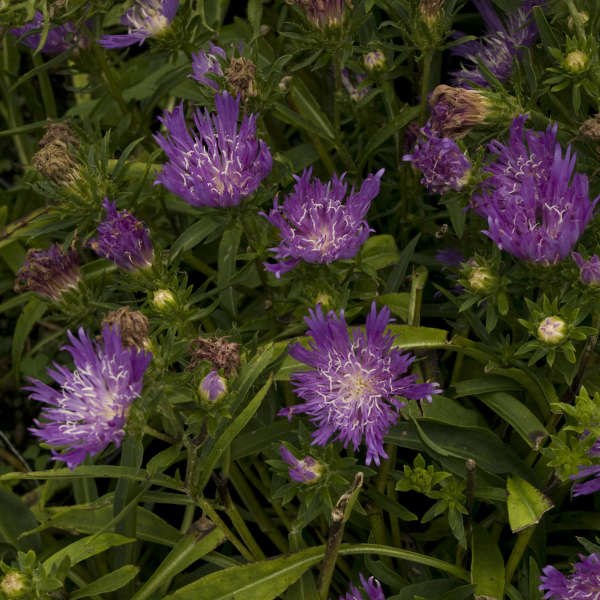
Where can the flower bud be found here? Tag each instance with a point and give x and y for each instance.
(583, 18)
(374, 61)
(284, 83)
(589, 270)
(482, 280)
(308, 470)
(163, 299)
(552, 330)
(212, 388)
(430, 11)
(132, 325)
(14, 585)
(576, 61)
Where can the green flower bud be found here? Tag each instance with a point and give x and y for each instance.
(374, 61)
(576, 61)
(14, 585)
(481, 279)
(163, 299)
(552, 330)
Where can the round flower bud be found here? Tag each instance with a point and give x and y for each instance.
(212, 388)
(163, 299)
(552, 330)
(14, 585)
(374, 60)
(583, 17)
(308, 470)
(284, 83)
(482, 280)
(576, 61)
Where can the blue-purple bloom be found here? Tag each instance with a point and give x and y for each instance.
(443, 164)
(59, 39)
(535, 205)
(49, 272)
(356, 91)
(582, 584)
(371, 586)
(314, 224)
(307, 470)
(588, 269)
(219, 165)
(146, 18)
(590, 486)
(208, 62)
(123, 239)
(352, 390)
(213, 387)
(500, 47)
(90, 409)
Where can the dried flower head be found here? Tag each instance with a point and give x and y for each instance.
(324, 13)
(49, 272)
(590, 128)
(218, 351)
(308, 470)
(219, 165)
(54, 159)
(241, 77)
(123, 239)
(133, 327)
(443, 164)
(535, 205)
(455, 111)
(582, 584)
(371, 586)
(352, 390)
(314, 224)
(90, 409)
(146, 18)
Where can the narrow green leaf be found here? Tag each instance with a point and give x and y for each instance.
(32, 313)
(15, 518)
(228, 249)
(398, 273)
(396, 302)
(108, 583)
(310, 109)
(487, 565)
(525, 503)
(192, 236)
(379, 251)
(417, 337)
(255, 9)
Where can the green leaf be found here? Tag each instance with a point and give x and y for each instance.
(263, 580)
(228, 249)
(255, 9)
(483, 385)
(308, 107)
(32, 313)
(487, 565)
(525, 504)
(86, 547)
(186, 552)
(16, 518)
(108, 583)
(396, 302)
(398, 273)
(379, 251)
(417, 337)
(524, 422)
(192, 236)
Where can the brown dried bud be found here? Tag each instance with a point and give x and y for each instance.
(241, 76)
(455, 111)
(218, 351)
(591, 128)
(430, 10)
(54, 159)
(132, 325)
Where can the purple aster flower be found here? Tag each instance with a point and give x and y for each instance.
(324, 13)
(147, 18)
(123, 239)
(582, 584)
(442, 162)
(49, 272)
(208, 62)
(59, 39)
(450, 257)
(90, 409)
(498, 49)
(355, 90)
(213, 387)
(589, 269)
(314, 224)
(352, 391)
(535, 206)
(592, 485)
(218, 166)
(307, 470)
(371, 586)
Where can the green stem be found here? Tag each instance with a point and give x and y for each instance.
(112, 83)
(45, 88)
(416, 295)
(517, 552)
(425, 77)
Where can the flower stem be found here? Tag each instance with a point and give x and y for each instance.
(517, 552)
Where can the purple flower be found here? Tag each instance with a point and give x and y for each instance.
(535, 206)
(371, 586)
(353, 388)
(450, 257)
(59, 39)
(582, 584)
(220, 165)
(592, 485)
(498, 49)
(213, 387)
(147, 18)
(355, 90)
(324, 13)
(589, 269)
(90, 409)
(442, 162)
(314, 224)
(307, 470)
(123, 239)
(49, 272)
(203, 63)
